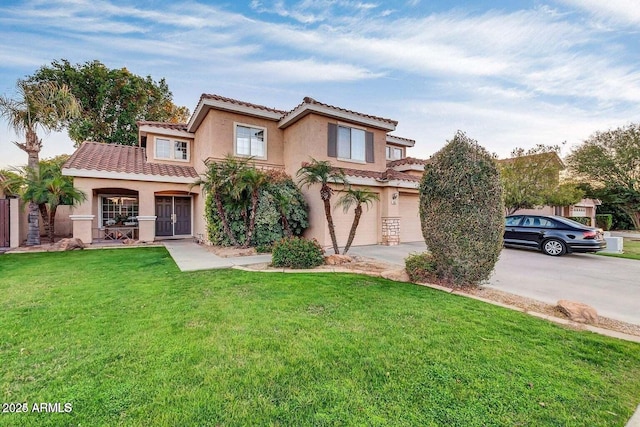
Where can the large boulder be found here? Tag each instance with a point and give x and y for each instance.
(396, 275)
(578, 312)
(69, 244)
(337, 259)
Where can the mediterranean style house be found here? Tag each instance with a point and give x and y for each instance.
(146, 192)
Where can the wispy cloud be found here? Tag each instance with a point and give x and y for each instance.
(616, 11)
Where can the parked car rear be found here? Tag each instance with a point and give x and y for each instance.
(553, 235)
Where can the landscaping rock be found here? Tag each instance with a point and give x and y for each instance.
(69, 244)
(337, 259)
(396, 275)
(578, 312)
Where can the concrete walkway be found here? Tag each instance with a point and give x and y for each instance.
(190, 256)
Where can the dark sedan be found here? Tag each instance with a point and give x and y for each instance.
(553, 235)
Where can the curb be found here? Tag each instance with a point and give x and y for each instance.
(635, 419)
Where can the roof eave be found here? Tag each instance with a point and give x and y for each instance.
(207, 104)
(306, 109)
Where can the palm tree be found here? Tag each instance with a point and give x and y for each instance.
(357, 197)
(321, 172)
(252, 181)
(46, 106)
(49, 189)
(216, 182)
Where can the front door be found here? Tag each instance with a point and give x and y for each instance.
(173, 216)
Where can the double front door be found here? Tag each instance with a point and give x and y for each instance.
(173, 216)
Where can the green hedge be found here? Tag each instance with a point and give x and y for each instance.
(581, 219)
(420, 267)
(297, 252)
(604, 221)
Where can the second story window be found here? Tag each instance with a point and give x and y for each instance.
(394, 153)
(250, 141)
(171, 149)
(350, 144)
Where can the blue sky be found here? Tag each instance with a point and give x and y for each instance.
(508, 73)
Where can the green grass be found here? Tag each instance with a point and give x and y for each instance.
(127, 339)
(631, 248)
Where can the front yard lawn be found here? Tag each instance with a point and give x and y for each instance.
(631, 248)
(127, 339)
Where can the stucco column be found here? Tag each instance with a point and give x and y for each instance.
(82, 225)
(146, 228)
(14, 223)
(390, 216)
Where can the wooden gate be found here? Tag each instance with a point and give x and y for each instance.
(4, 222)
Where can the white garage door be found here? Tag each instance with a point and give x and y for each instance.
(410, 229)
(367, 231)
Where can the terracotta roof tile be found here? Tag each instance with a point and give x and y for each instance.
(389, 174)
(123, 159)
(407, 161)
(310, 101)
(237, 102)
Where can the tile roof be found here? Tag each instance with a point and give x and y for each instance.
(407, 161)
(123, 159)
(310, 101)
(389, 174)
(237, 102)
(164, 125)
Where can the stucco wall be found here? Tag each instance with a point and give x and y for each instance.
(215, 138)
(308, 137)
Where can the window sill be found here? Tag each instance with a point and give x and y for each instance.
(169, 159)
(360, 162)
(244, 156)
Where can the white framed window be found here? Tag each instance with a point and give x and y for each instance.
(394, 153)
(351, 143)
(250, 141)
(171, 149)
(118, 210)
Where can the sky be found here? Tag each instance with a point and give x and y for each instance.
(508, 73)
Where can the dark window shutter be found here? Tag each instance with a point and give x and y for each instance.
(332, 142)
(368, 141)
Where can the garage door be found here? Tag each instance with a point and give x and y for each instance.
(367, 232)
(410, 229)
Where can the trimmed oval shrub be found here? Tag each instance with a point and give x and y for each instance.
(297, 252)
(420, 267)
(462, 211)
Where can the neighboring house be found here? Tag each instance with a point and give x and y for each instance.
(584, 208)
(145, 192)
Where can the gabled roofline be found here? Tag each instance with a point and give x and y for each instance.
(310, 105)
(397, 140)
(147, 128)
(208, 102)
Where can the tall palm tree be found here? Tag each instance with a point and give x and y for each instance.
(359, 198)
(321, 172)
(46, 106)
(252, 181)
(216, 182)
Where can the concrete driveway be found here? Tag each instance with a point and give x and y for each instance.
(610, 285)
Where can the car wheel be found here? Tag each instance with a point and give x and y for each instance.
(554, 247)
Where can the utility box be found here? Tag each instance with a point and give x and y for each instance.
(614, 245)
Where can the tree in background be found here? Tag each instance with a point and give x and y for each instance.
(531, 179)
(321, 172)
(43, 105)
(47, 187)
(462, 211)
(112, 100)
(358, 198)
(610, 162)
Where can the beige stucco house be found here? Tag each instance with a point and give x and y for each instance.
(145, 192)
